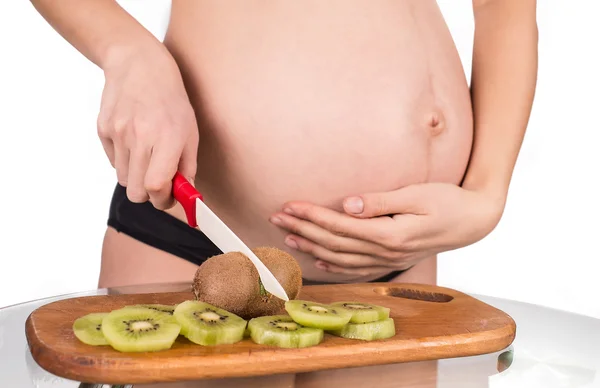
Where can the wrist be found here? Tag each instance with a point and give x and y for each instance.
(493, 185)
(122, 54)
(491, 202)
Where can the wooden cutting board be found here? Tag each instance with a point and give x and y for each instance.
(431, 323)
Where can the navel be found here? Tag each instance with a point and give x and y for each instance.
(436, 124)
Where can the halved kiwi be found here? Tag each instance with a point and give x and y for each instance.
(248, 299)
(140, 329)
(369, 331)
(88, 329)
(317, 315)
(364, 312)
(205, 324)
(283, 332)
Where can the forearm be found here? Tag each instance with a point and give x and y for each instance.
(503, 84)
(100, 29)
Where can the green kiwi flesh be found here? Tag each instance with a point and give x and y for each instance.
(88, 329)
(369, 331)
(205, 324)
(283, 332)
(139, 329)
(364, 312)
(164, 308)
(317, 315)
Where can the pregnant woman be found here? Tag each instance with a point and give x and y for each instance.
(341, 131)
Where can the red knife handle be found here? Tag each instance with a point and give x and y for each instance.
(186, 195)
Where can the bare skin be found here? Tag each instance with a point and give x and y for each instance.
(295, 107)
(370, 121)
(147, 265)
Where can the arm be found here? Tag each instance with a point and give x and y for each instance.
(502, 85)
(100, 29)
(146, 123)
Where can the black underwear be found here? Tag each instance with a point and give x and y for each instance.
(145, 223)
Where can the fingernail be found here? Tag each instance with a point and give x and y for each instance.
(321, 264)
(291, 243)
(288, 211)
(354, 205)
(275, 220)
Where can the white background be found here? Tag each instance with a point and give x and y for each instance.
(57, 182)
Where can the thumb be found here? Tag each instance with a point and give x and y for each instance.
(404, 200)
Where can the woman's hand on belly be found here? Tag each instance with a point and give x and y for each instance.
(389, 230)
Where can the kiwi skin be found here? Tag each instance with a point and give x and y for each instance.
(225, 281)
(231, 282)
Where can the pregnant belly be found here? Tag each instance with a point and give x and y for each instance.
(317, 106)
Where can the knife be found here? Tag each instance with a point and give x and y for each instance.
(200, 216)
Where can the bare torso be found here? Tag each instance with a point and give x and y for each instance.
(316, 101)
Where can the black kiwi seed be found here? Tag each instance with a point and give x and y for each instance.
(351, 306)
(99, 327)
(284, 328)
(170, 312)
(328, 311)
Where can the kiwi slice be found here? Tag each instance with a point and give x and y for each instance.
(205, 324)
(317, 315)
(367, 331)
(364, 312)
(283, 332)
(164, 308)
(88, 329)
(139, 329)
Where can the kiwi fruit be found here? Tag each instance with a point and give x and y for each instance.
(205, 324)
(318, 315)
(282, 331)
(88, 329)
(369, 331)
(364, 312)
(139, 329)
(164, 308)
(231, 282)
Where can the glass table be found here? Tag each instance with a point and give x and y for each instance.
(552, 349)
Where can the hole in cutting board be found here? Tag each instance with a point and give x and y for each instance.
(408, 293)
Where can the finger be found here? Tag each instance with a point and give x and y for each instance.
(107, 144)
(402, 201)
(189, 158)
(138, 165)
(375, 230)
(340, 258)
(368, 270)
(121, 162)
(161, 170)
(323, 237)
(109, 150)
(362, 271)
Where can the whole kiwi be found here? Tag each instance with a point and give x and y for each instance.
(230, 281)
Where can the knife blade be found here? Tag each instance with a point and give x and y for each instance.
(202, 217)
